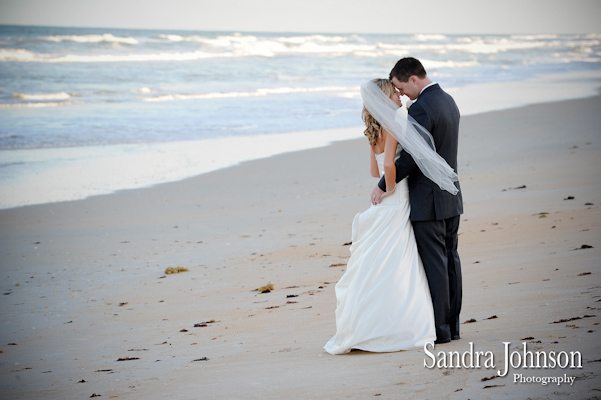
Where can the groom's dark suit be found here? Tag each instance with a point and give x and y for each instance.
(435, 212)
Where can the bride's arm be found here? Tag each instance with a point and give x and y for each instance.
(373, 164)
(389, 166)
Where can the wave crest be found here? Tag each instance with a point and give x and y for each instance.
(36, 105)
(42, 97)
(106, 38)
(256, 93)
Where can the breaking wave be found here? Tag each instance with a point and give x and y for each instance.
(256, 93)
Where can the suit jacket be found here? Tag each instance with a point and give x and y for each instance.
(436, 111)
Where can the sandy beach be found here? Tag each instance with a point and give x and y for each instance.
(88, 310)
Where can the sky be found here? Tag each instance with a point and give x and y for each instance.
(325, 16)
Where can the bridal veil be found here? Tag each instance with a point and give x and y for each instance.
(413, 137)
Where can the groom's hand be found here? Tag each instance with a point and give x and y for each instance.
(376, 195)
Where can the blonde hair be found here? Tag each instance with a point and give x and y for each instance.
(373, 130)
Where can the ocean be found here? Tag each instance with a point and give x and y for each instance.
(77, 104)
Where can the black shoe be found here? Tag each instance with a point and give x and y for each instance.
(441, 341)
(456, 337)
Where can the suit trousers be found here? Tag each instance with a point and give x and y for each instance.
(437, 245)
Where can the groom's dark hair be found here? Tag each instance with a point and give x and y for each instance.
(407, 67)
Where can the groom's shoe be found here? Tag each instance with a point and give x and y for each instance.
(455, 329)
(441, 341)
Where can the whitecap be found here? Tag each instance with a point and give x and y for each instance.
(259, 92)
(42, 97)
(535, 37)
(434, 64)
(106, 37)
(21, 55)
(36, 105)
(426, 38)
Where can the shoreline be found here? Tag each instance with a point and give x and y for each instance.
(84, 282)
(68, 174)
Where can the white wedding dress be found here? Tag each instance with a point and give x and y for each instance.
(383, 299)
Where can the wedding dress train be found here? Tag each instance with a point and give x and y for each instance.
(383, 300)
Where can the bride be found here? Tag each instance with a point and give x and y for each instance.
(383, 299)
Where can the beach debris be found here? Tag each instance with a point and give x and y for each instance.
(291, 295)
(202, 359)
(137, 350)
(347, 243)
(338, 265)
(488, 379)
(264, 289)
(128, 358)
(491, 386)
(95, 395)
(82, 381)
(269, 308)
(184, 330)
(543, 214)
(203, 324)
(469, 321)
(513, 283)
(588, 204)
(585, 246)
(569, 198)
(175, 270)
(515, 188)
(11, 344)
(493, 317)
(527, 338)
(122, 304)
(585, 273)
(572, 319)
(104, 370)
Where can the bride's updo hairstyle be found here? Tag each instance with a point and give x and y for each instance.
(373, 130)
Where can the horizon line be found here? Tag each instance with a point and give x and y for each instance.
(293, 31)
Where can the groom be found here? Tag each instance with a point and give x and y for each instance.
(434, 212)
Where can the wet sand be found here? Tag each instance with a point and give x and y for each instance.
(84, 282)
